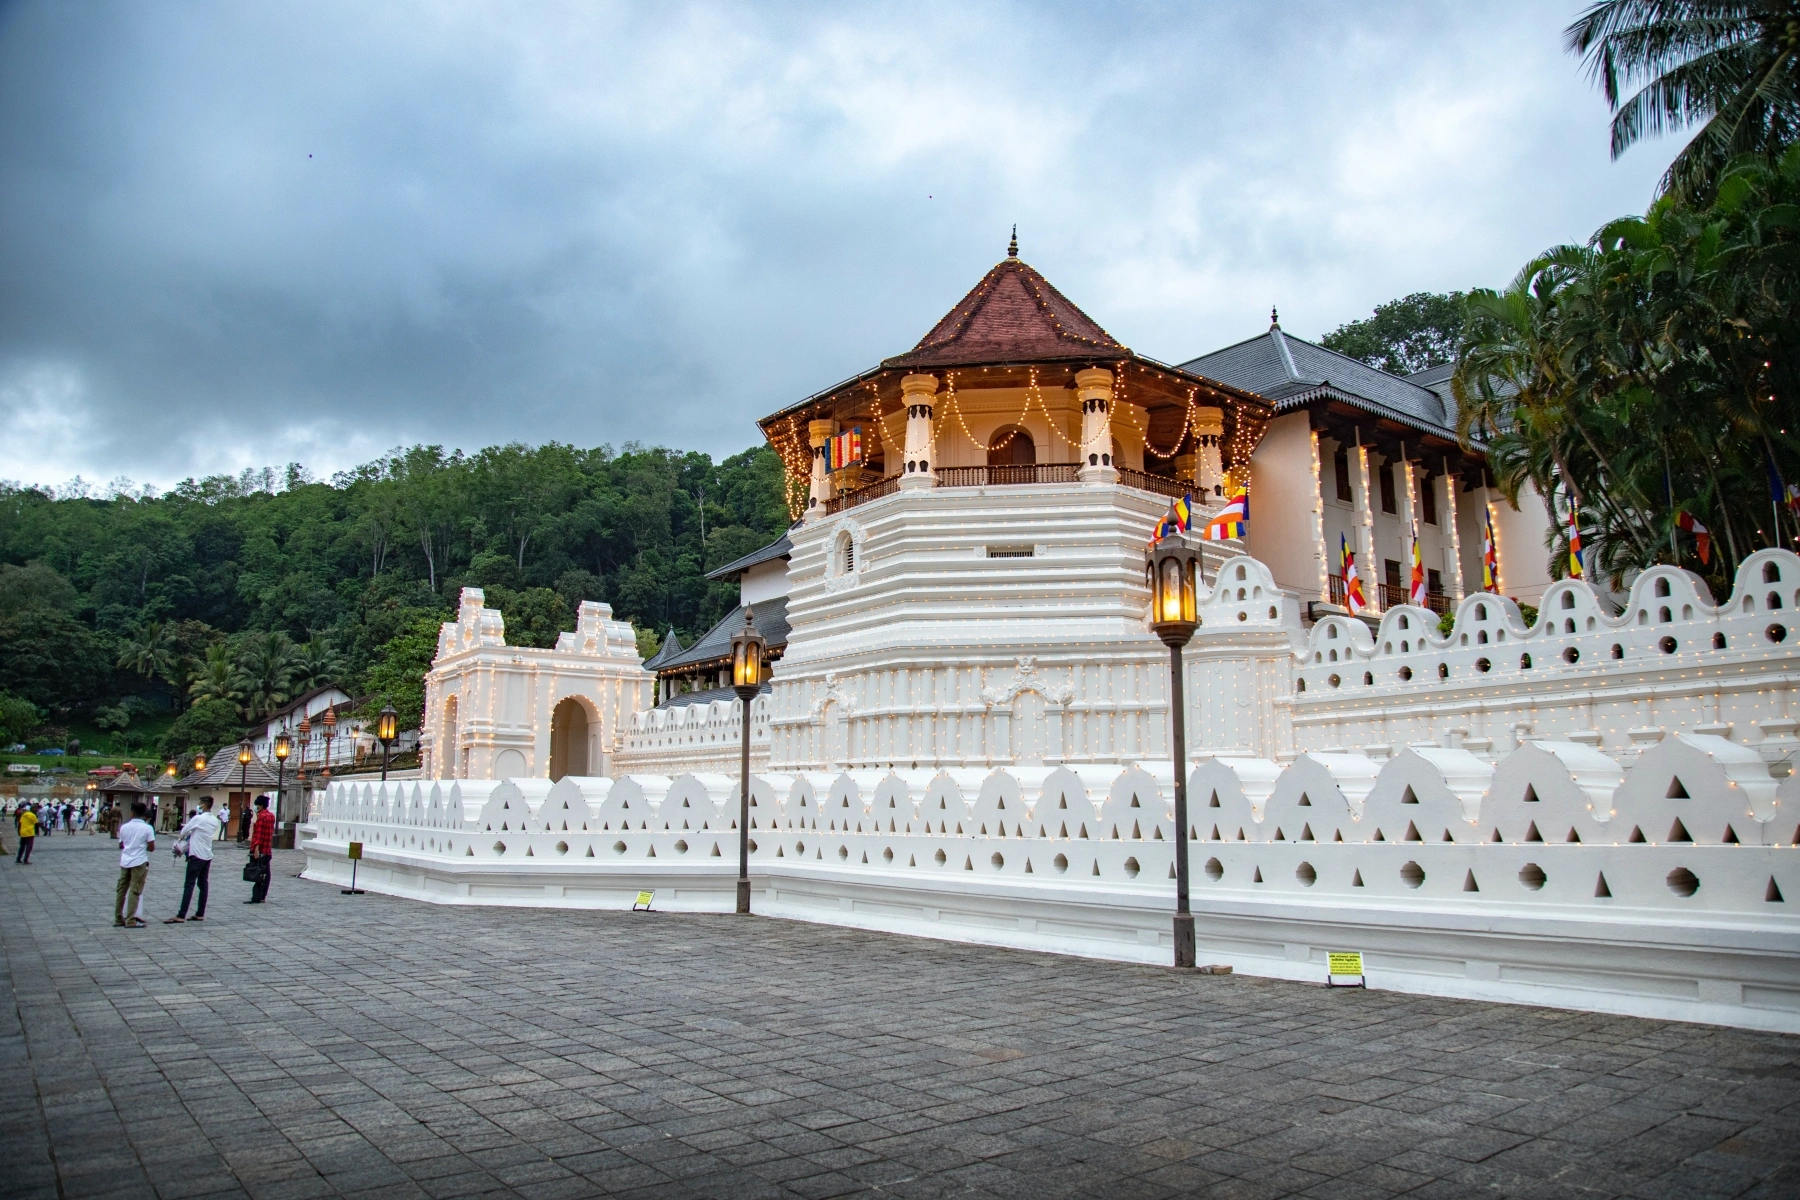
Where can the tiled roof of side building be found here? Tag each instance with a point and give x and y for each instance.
(708, 696)
(781, 547)
(715, 643)
(671, 647)
(1293, 371)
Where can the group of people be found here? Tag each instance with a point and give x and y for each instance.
(194, 843)
(31, 818)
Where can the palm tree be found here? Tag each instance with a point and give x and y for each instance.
(316, 664)
(268, 662)
(1730, 66)
(150, 652)
(218, 677)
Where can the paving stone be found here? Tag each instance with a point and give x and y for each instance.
(374, 1047)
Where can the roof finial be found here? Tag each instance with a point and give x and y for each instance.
(1012, 247)
(1274, 318)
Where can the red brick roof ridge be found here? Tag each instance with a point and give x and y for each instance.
(1013, 314)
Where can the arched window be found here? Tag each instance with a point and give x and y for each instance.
(568, 739)
(1011, 446)
(845, 553)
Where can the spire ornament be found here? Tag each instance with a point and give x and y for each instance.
(1274, 318)
(1012, 247)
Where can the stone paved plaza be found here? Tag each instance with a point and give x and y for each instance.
(329, 1045)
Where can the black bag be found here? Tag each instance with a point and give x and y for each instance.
(256, 870)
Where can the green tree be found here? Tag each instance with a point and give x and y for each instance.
(18, 717)
(1405, 335)
(398, 674)
(1730, 66)
(203, 728)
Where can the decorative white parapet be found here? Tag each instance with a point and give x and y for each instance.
(1552, 874)
(695, 737)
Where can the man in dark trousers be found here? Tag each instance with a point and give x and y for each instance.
(196, 841)
(262, 849)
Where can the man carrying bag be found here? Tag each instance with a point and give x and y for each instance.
(196, 841)
(262, 852)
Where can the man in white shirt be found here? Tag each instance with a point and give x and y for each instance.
(136, 841)
(196, 841)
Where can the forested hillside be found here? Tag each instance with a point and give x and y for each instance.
(167, 623)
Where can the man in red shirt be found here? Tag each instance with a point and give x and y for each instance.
(262, 850)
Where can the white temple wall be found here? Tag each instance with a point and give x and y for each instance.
(1519, 533)
(1286, 506)
(1555, 876)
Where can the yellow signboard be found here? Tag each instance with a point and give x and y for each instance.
(1345, 965)
(355, 850)
(643, 901)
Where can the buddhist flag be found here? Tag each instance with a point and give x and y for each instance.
(1702, 536)
(1183, 512)
(1353, 593)
(1490, 554)
(1416, 593)
(1233, 520)
(844, 450)
(1793, 498)
(1575, 571)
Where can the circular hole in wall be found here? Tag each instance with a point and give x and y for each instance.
(1683, 882)
(562, 847)
(499, 847)
(941, 858)
(799, 847)
(1776, 633)
(1443, 670)
(1666, 645)
(843, 853)
(618, 847)
(998, 862)
(1214, 870)
(1483, 665)
(1412, 875)
(681, 847)
(1306, 875)
(887, 855)
(1131, 867)
(1532, 876)
(1405, 674)
(1334, 681)
(1060, 862)
(1571, 654)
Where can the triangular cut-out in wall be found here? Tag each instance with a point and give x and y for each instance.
(1306, 833)
(1305, 802)
(1678, 832)
(865, 855)
(1096, 866)
(779, 853)
(1337, 835)
(1135, 835)
(1215, 836)
(1601, 891)
(1532, 834)
(911, 861)
(1409, 796)
(590, 852)
(715, 853)
(1356, 879)
(1773, 894)
(1531, 794)
(1214, 802)
(1469, 884)
(1447, 836)
(1257, 878)
(1134, 801)
(1637, 835)
(1573, 836)
(1677, 790)
(1496, 837)
(1240, 836)
(1412, 833)
(1028, 866)
(1380, 836)
(1731, 837)
(1279, 835)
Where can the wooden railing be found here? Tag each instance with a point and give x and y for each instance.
(863, 495)
(1161, 485)
(1392, 594)
(1008, 476)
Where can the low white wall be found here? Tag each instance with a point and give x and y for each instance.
(1555, 876)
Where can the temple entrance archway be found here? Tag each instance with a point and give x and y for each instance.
(568, 739)
(1011, 446)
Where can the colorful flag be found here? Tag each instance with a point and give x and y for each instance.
(1416, 593)
(1353, 592)
(1793, 498)
(1183, 512)
(1165, 527)
(1490, 554)
(1233, 520)
(844, 450)
(1702, 536)
(1575, 571)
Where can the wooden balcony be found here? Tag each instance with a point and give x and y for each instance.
(1012, 476)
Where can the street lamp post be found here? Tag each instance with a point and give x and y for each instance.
(748, 650)
(384, 733)
(300, 772)
(329, 720)
(1174, 617)
(284, 745)
(244, 756)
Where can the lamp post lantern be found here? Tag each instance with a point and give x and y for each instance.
(284, 745)
(384, 733)
(329, 720)
(300, 771)
(1174, 616)
(244, 757)
(748, 669)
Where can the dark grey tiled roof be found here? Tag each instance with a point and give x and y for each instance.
(1292, 372)
(708, 696)
(669, 649)
(781, 547)
(715, 643)
(1438, 380)
(224, 769)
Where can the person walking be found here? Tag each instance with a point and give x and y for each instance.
(136, 841)
(28, 821)
(262, 850)
(196, 841)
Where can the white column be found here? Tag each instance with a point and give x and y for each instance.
(1316, 521)
(1209, 468)
(1447, 512)
(1404, 484)
(1094, 388)
(1365, 526)
(920, 393)
(818, 433)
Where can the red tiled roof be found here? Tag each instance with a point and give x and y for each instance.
(1013, 315)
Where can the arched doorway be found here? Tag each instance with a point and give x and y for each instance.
(1011, 446)
(568, 739)
(448, 757)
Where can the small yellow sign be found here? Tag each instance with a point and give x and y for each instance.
(355, 850)
(1345, 962)
(643, 901)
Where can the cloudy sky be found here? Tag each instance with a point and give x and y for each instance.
(240, 234)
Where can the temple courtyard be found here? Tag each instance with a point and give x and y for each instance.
(327, 1045)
